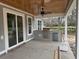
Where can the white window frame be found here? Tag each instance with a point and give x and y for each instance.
(5, 11)
(31, 25)
(39, 28)
(41, 23)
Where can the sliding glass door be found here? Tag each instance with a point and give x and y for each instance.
(15, 29)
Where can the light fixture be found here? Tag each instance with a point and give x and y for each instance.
(42, 12)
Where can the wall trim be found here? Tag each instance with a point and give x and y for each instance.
(16, 45)
(4, 51)
(8, 6)
(29, 39)
(20, 43)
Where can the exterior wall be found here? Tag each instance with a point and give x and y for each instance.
(35, 24)
(2, 39)
(2, 36)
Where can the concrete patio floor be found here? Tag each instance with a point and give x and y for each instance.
(36, 50)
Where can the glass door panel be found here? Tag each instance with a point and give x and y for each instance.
(11, 21)
(20, 28)
(30, 25)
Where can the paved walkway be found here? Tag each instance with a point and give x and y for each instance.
(36, 50)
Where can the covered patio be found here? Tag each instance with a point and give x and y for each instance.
(37, 49)
(24, 33)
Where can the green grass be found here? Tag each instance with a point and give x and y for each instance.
(71, 29)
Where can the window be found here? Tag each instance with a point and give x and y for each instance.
(29, 25)
(39, 25)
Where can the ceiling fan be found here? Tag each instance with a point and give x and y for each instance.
(42, 9)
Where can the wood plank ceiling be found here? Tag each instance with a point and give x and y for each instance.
(19, 4)
(33, 6)
(53, 6)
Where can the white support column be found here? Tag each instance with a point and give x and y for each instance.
(64, 45)
(65, 38)
(77, 41)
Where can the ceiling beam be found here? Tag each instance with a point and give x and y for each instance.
(68, 5)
